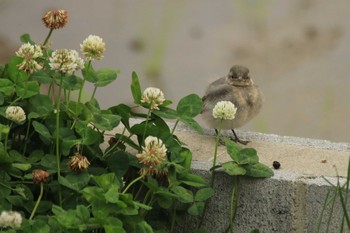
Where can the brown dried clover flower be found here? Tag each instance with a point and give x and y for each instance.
(78, 162)
(40, 176)
(55, 19)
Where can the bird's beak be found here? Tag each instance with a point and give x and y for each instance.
(240, 78)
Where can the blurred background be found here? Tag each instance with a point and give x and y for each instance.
(297, 51)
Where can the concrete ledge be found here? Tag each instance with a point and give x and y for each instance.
(290, 201)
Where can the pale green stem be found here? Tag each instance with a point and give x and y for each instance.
(7, 136)
(215, 154)
(93, 93)
(173, 130)
(144, 131)
(82, 85)
(131, 183)
(26, 137)
(234, 204)
(58, 156)
(37, 201)
(173, 218)
(48, 37)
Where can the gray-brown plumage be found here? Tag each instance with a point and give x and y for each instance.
(238, 88)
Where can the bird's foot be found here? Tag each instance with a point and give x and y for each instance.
(237, 140)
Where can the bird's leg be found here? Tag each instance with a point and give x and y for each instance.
(236, 139)
(221, 141)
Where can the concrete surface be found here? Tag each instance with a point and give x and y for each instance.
(290, 201)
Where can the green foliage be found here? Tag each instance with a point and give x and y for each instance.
(245, 161)
(90, 187)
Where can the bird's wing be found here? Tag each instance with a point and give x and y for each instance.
(218, 92)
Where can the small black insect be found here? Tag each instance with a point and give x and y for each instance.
(276, 164)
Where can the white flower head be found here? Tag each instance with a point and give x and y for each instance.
(16, 114)
(66, 61)
(225, 110)
(10, 219)
(93, 47)
(153, 153)
(29, 53)
(153, 96)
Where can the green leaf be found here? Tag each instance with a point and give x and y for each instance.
(105, 121)
(143, 227)
(192, 179)
(105, 76)
(232, 149)
(233, 169)
(71, 83)
(89, 73)
(83, 213)
(41, 105)
(92, 194)
(247, 156)
(204, 194)
(5, 159)
(105, 181)
(123, 111)
(136, 88)
(75, 181)
(258, 170)
(22, 166)
(191, 123)
(183, 195)
(190, 105)
(6, 87)
(49, 162)
(41, 76)
(25, 38)
(167, 113)
(27, 89)
(42, 130)
(196, 209)
(89, 135)
(40, 226)
(15, 74)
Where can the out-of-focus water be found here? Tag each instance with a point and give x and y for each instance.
(297, 51)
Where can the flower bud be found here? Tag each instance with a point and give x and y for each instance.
(40, 176)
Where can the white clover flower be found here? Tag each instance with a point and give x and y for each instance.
(93, 47)
(66, 61)
(153, 153)
(16, 114)
(153, 96)
(10, 219)
(225, 110)
(29, 53)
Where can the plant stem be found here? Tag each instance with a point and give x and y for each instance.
(58, 156)
(93, 93)
(82, 85)
(131, 183)
(144, 130)
(173, 218)
(7, 136)
(26, 137)
(233, 204)
(37, 201)
(48, 37)
(173, 130)
(215, 154)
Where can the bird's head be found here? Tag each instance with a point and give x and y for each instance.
(239, 76)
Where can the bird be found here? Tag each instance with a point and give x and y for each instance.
(238, 88)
